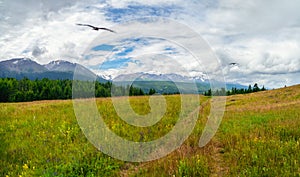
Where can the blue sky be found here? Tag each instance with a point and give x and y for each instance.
(115, 64)
(103, 47)
(119, 56)
(263, 37)
(136, 10)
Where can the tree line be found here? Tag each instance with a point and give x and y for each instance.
(13, 90)
(234, 91)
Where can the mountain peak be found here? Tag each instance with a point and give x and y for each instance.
(17, 60)
(21, 65)
(58, 62)
(61, 65)
(59, 69)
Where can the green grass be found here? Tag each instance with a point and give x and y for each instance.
(259, 136)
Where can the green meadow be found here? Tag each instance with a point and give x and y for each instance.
(259, 136)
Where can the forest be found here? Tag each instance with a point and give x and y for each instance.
(234, 91)
(13, 90)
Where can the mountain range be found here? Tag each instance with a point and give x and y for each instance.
(169, 83)
(23, 67)
(60, 69)
(141, 76)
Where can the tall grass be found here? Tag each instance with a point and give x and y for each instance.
(259, 136)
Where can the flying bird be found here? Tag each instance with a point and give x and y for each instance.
(96, 28)
(233, 64)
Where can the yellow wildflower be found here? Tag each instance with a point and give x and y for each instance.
(25, 166)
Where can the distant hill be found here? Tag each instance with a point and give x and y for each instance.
(23, 67)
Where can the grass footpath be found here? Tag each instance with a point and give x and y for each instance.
(259, 136)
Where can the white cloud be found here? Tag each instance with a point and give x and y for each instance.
(255, 16)
(262, 36)
(55, 32)
(157, 48)
(124, 3)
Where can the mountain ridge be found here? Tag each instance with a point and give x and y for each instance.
(58, 69)
(141, 76)
(61, 69)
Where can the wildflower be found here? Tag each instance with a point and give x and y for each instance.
(255, 139)
(25, 166)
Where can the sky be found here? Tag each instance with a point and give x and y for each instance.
(262, 37)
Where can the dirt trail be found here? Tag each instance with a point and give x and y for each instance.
(218, 164)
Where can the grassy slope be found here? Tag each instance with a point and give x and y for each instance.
(259, 135)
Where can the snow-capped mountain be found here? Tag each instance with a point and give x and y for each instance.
(23, 67)
(60, 65)
(106, 77)
(159, 77)
(169, 83)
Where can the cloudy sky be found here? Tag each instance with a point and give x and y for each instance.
(262, 37)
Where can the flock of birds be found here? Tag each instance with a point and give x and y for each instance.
(112, 31)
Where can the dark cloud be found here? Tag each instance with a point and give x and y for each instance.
(37, 51)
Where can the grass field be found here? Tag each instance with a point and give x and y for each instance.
(259, 136)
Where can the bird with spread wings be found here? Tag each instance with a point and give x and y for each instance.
(96, 28)
(233, 64)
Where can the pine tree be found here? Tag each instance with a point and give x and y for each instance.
(152, 91)
(249, 89)
(256, 88)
